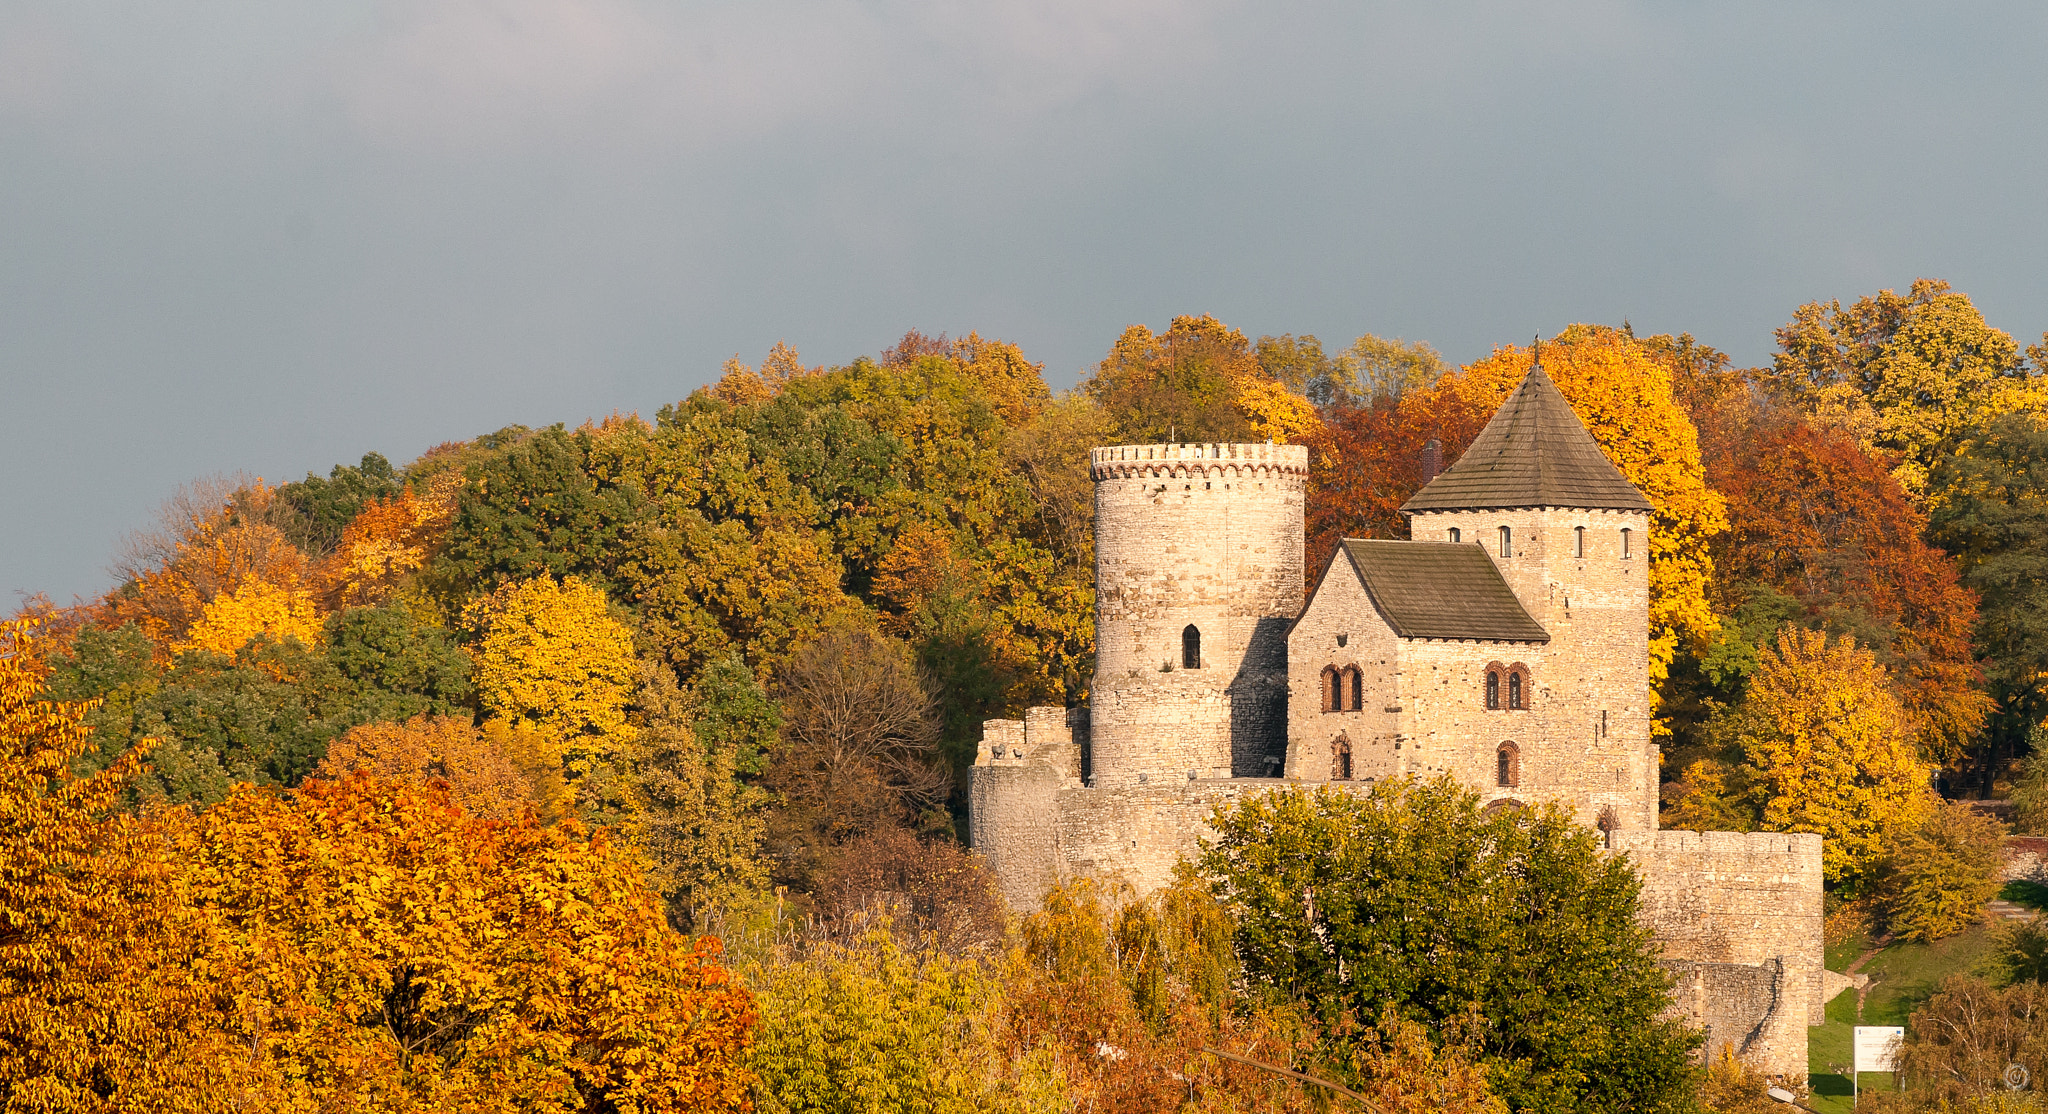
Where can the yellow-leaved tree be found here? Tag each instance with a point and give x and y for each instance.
(388, 542)
(101, 1007)
(1831, 750)
(217, 573)
(553, 656)
(228, 622)
(1624, 397)
(391, 952)
(1198, 381)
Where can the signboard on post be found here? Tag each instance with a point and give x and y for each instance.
(1877, 1047)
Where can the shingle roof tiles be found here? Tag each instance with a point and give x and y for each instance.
(1534, 453)
(1442, 590)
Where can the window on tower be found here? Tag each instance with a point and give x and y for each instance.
(1354, 689)
(1578, 541)
(1455, 535)
(1493, 690)
(1191, 648)
(1514, 692)
(1507, 773)
(1340, 759)
(1507, 542)
(1624, 541)
(1331, 701)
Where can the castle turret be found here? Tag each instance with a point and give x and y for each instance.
(1198, 570)
(1571, 536)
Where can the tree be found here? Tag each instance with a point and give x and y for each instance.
(1622, 391)
(387, 543)
(551, 655)
(858, 749)
(1994, 517)
(1831, 750)
(320, 508)
(484, 777)
(1409, 896)
(228, 559)
(399, 665)
(531, 508)
(390, 948)
(1198, 381)
(1935, 878)
(700, 820)
(929, 891)
(1814, 516)
(873, 1026)
(100, 1006)
(1908, 375)
(1959, 1043)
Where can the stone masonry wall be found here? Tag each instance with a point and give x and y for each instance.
(1586, 739)
(1739, 899)
(1208, 536)
(1341, 608)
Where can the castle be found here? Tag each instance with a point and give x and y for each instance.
(1507, 645)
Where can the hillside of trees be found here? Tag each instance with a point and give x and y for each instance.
(622, 767)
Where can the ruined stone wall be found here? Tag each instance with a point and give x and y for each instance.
(1208, 536)
(1590, 712)
(1342, 628)
(1739, 899)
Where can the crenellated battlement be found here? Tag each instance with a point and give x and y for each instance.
(1801, 847)
(1211, 460)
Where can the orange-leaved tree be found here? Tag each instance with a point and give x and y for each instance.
(496, 772)
(390, 950)
(1814, 516)
(106, 1002)
(1623, 394)
(389, 541)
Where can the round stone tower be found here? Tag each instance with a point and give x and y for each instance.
(1198, 571)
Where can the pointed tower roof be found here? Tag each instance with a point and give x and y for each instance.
(1534, 453)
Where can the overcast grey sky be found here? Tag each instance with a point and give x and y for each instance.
(270, 235)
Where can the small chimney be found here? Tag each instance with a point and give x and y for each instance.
(1432, 459)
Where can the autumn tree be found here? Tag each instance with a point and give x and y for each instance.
(1959, 1043)
(1831, 750)
(484, 775)
(1407, 896)
(1909, 375)
(552, 656)
(389, 947)
(1815, 517)
(1935, 878)
(1198, 381)
(320, 508)
(217, 580)
(387, 544)
(101, 1008)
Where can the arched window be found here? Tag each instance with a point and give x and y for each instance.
(1507, 542)
(1507, 772)
(1330, 700)
(1578, 541)
(1190, 648)
(1624, 540)
(1456, 535)
(1493, 690)
(1515, 691)
(1340, 759)
(1354, 689)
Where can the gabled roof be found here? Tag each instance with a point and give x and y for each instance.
(1534, 453)
(1442, 590)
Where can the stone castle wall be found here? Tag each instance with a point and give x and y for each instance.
(1208, 536)
(1585, 741)
(1341, 608)
(1738, 910)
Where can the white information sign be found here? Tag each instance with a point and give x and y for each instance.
(1877, 1047)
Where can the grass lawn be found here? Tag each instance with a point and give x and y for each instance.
(1901, 977)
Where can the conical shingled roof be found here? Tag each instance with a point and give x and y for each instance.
(1534, 453)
